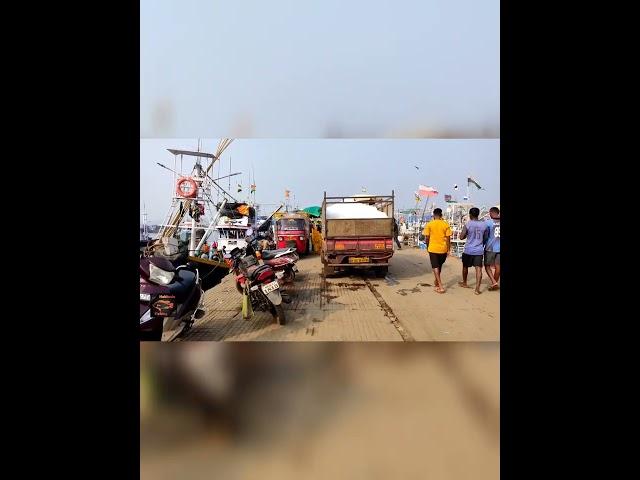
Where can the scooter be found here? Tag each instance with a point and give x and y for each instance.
(258, 282)
(171, 298)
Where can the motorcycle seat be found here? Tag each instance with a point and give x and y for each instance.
(254, 272)
(269, 254)
(182, 284)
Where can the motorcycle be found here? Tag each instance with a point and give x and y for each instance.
(258, 282)
(171, 298)
(281, 260)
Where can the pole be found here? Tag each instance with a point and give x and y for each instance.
(468, 193)
(212, 225)
(426, 202)
(192, 240)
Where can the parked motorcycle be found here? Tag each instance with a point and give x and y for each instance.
(258, 282)
(282, 261)
(171, 298)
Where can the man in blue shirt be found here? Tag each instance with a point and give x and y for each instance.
(477, 234)
(492, 248)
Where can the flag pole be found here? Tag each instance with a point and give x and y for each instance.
(426, 202)
(468, 193)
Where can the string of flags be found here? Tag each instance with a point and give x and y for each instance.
(252, 188)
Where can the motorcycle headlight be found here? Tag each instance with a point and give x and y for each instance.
(159, 276)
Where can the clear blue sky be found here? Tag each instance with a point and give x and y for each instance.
(359, 68)
(308, 167)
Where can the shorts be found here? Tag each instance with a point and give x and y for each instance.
(492, 258)
(437, 259)
(471, 260)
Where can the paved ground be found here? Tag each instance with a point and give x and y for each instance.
(359, 307)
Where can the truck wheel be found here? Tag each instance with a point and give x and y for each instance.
(278, 312)
(381, 272)
(327, 271)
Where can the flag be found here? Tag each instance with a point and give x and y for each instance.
(253, 188)
(472, 181)
(417, 196)
(447, 198)
(239, 188)
(286, 194)
(427, 191)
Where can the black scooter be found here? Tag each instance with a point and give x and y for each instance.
(171, 298)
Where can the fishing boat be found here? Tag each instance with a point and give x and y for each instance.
(193, 215)
(232, 233)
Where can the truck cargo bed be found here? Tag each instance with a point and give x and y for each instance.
(374, 227)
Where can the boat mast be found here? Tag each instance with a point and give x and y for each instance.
(196, 170)
(145, 231)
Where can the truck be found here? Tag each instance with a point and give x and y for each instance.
(357, 233)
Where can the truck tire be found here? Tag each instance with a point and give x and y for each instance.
(381, 272)
(327, 271)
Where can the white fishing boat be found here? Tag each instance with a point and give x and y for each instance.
(232, 233)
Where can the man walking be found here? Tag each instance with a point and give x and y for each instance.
(437, 235)
(492, 248)
(477, 234)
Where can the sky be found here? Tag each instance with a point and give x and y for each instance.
(308, 167)
(330, 68)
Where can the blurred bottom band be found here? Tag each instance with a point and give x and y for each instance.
(327, 410)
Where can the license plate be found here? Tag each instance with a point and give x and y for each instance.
(163, 306)
(358, 259)
(379, 246)
(270, 287)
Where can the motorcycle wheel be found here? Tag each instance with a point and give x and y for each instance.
(153, 336)
(278, 312)
(289, 276)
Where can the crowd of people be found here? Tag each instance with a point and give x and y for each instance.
(482, 246)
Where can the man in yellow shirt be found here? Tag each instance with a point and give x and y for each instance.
(438, 238)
